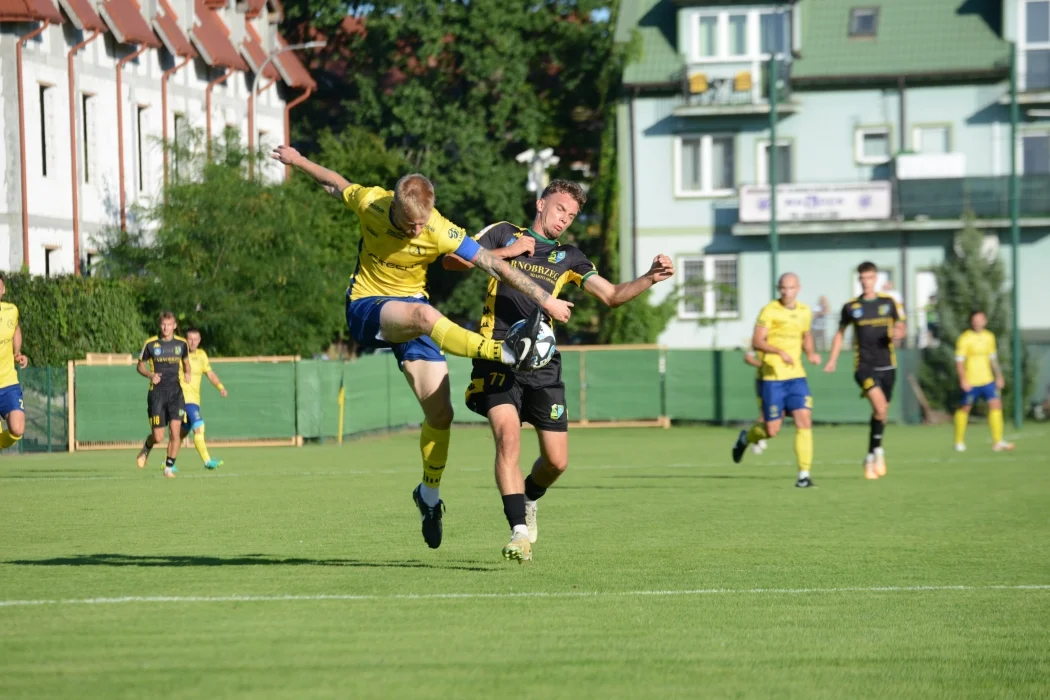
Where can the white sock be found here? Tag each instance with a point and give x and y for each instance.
(430, 496)
(804, 474)
(520, 530)
(878, 452)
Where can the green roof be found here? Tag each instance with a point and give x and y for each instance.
(912, 37)
(656, 24)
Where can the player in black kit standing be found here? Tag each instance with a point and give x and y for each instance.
(161, 359)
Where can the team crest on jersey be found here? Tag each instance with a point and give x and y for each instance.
(884, 309)
(857, 312)
(557, 411)
(178, 350)
(156, 350)
(556, 256)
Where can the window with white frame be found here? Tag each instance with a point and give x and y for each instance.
(704, 165)
(863, 22)
(931, 139)
(784, 164)
(741, 34)
(710, 287)
(1036, 45)
(1035, 154)
(872, 145)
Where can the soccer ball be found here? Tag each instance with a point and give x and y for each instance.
(545, 346)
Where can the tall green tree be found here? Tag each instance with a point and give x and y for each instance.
(970, 280)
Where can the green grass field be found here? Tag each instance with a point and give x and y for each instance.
(662, 570)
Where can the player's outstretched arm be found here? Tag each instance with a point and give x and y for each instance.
(613, 295)
(558, 309)
(332, 182)
(525, 245)
(760, 342)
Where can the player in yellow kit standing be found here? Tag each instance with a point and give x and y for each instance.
(200, 366)
(782, 334)
(12, 409)
(387, 306)
(980, 377)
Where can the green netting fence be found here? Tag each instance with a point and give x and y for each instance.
(285, 402)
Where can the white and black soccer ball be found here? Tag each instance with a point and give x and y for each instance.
(545, 346)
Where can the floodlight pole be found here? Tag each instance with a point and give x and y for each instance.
(774, 236)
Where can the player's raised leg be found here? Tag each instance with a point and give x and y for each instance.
(552, 463)
(15, 421)
(428, 379)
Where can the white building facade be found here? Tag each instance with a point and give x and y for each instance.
(92, 90)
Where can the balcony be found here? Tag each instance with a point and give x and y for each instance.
(714, 89)
(986, 197)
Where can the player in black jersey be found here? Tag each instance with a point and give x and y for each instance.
(507, 397)
(163, 357)
(878, 323)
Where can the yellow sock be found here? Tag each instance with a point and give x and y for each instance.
(457, 340)
(757, 432)
(7, 439)
(433, 443)
(804, 448)
(198, 442)
(961, 418)
(995, 422)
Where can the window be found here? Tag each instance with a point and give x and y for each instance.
(775, 31)
(784, 164)
(872, 145)
(89, 263)
(1037, 45)
(46, 127)
(48, 252)
(87, 125)
(140, 143)
(704, 165)
(737, 40)
(1035, 154)
(863, 21)
(733, 35)
(931, 139)
(179, 143)
(710, 288)
(707, 36)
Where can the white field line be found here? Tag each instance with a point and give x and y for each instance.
(498, 596)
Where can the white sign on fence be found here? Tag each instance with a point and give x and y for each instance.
(854, 201)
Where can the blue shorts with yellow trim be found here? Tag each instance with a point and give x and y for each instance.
(193, 415)
(11, 399)
(362, 317)
(785, 396)
(986, 392)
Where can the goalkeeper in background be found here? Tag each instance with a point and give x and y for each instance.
(199, 367)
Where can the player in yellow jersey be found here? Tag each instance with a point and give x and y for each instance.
(200, 367)
(782, 334)
(387, 306)
(980, 377)
(12, 408)
(754, 359)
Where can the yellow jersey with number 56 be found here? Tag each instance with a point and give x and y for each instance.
(390, 262)
(785, 327)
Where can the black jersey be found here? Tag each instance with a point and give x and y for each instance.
(551, 266)
(873, 321)
(165, 357)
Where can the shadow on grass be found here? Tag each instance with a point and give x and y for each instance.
(243, 560)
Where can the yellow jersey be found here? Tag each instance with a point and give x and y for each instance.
(391, 263)
(199, 366)
(786, 328)
(976, 351)
(8, 326)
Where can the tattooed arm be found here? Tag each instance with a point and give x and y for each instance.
(558, 309)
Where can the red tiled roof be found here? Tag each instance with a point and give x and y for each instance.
(83, 15)
(29, 11)
(170, 32)
(255, 7)
(126, 22)
(253, 50)
(211, 36)
(292, 69)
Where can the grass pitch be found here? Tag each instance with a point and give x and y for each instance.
(662, 570)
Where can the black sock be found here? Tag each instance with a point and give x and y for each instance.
(533, 491)
(146, 447)
(514, 509)
(169, 462)
(875, 436)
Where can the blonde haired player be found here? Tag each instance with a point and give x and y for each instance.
(980, 377)
(782, 334)
(200, 366)
(387, 305)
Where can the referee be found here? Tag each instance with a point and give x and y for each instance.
(161, 357)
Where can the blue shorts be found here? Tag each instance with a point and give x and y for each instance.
(986, 392)
(785, 396)
(362, 316)
(11, 399)
(193, 416)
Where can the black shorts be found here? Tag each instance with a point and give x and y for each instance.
(538, 396)
(868, 378)
(164, 405)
